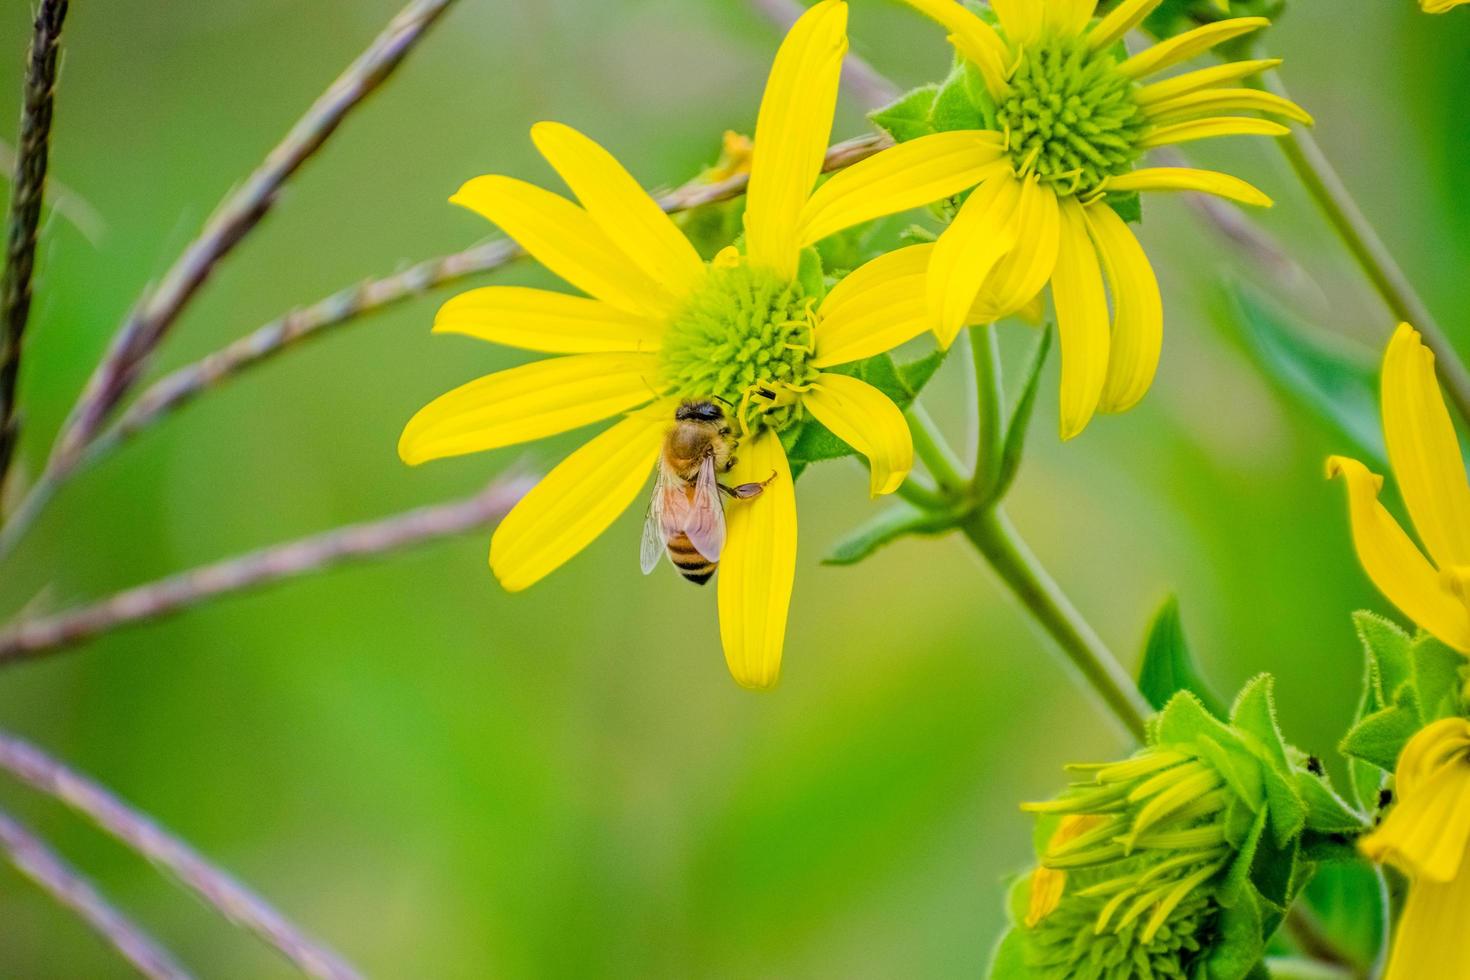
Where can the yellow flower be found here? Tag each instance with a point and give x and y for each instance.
(1072, 119)
(660, 325)
(1425, 455)
(1439, 6)
(1425, 836)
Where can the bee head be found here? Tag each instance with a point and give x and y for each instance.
(699, 411)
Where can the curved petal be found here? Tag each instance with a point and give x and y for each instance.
(758, 567)
(975, 39)
(791, 134)
(1213, 100)
(565, 239)
(905, 176)
(1395, 565)
(1424, 451)
(535, 319)
(631, 219)
(1023, 273)
(980, 235)
(1119, 21)
(1138, 310)
(1202, 78)
(1427, 832)
(1432, 912)
(1068, 17)
(578, 499)
(1082, 321)
(528, 402)
(1184, 46)
(875, 308)
(1199, 129)
(868, 421)
(1189, 179)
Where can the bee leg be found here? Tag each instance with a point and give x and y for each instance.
(747, 491)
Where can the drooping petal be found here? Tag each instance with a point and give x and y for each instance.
(1189, 179)
(1068, 17)
(631, 219)
(791, 134)
(578, 500)
(1184, 46)
(1395, 565)
(1119, 21)
(1201, 78)
(875, 308)
(528, 402)
(535, 319)
(1425, 943)
(565, 239)
(1138, 311)
(1199, 129)
(1082, 320)
(1022, 274)
(1210, 101)
(905, 176)
(864, 418)
(980, 235)
(1428, 830)
(759, 565)
(977, 40)
(1424, 451)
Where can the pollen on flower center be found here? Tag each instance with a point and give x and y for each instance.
(1071, 116)
(743, 337)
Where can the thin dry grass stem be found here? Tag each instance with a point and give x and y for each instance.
(34, 859)
(31, 638)
(239, 213)
(28, 190)
(216, 887)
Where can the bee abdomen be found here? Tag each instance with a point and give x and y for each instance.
(690, 563)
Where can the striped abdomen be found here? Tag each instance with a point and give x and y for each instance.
(690, 563)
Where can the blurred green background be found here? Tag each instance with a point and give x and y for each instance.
(444, 780)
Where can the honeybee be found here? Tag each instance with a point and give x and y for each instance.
(686, 517)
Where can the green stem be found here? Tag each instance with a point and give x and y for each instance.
(1361, 238)
(990, 398)
(919, 493)
(930, 446)
(1002, 548)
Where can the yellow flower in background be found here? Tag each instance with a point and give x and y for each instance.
(1425, 456)
(1439, 6)
(1426, 836)
(660, 325)
(1072, 118)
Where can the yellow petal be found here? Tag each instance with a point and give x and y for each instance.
(1427, 941)
(1209, 101)
(578, 500)
(1068, 17)
(864, 418)
(1189, 179)
(791, 135)
(977, 40)
(1082, 320)
(565, 239)
(1424, 451)
(759, 566)
(528, 402)
(631, 219)
(1440, 7)
(1023, 273)
(1198, 129)
(1119, 21)
(906, 176)
(1394, 564)
(1138, 311)
(1427, 831)
(1202, 78)
(980, 235)
(1184, 46)
(875, 308)
(1022, 19)
(534, 319)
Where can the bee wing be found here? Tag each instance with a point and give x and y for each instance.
(655, 536)
(705, 521)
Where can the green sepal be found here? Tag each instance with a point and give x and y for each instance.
(1436, 677)
(812, 442)
(1168, 665)
(898, 520)
(1254, 713)
(1327, 812)
(954, 108)
(1379, 738)
(909, 117)
(809, 276)
(1274, 873)
(1015, 439)
(1128, 206)
(1008, 959)
(1238, 875)
(1240, 946)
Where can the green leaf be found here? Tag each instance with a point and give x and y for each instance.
(1379, 738)
(1386, 647)
(1168, 663)
(896, 521)
(953, 107)
(1347, 899)
(908, 118)
(1325, 374)
(1254, 713)
(1127, 206)
(1015, 440)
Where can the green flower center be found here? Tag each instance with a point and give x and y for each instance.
(1071, 115)
(743, 337)
(1067, 945)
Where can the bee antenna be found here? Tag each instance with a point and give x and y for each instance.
(725, 400)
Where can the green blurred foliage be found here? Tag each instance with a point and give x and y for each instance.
(445, 780)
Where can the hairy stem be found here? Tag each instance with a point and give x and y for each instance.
(28, 189)
(217, 888)
(32, 858)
